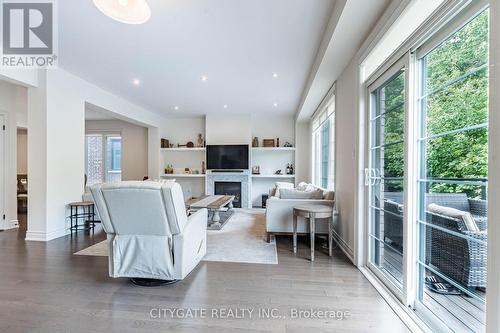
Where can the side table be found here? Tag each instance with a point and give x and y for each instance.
(313, 212)
(83, 210)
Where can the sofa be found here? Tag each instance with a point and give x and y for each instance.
(279, 210)
(150, 235)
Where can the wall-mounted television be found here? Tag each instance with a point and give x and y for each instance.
(227, 157)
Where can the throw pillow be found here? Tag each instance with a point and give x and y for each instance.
(296, 194)
(466, 217)
(281, 185)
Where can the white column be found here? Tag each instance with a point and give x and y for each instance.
(303, 154)
(37, 160)
(493, 289)
(55, 154)
(154, 167)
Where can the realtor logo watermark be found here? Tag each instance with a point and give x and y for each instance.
(29, 34)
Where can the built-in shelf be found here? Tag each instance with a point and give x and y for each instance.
(273, 176)
(183, 149)
(257, 149)
(182, 175)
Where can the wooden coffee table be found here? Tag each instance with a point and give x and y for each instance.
(215, 204)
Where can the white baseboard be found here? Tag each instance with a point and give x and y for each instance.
(343, 246)
(40, 236)
(12, 224)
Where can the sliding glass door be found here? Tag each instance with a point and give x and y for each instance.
(385, 176)
(453, 178)
(427, 175)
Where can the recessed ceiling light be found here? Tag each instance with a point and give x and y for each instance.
(125, 11)
(136, 82)
(275, 105)
(204, 78)
(225, 106)
(275, 75)
(176, 108)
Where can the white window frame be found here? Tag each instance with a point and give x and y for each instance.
(105, 135)
(325, 112)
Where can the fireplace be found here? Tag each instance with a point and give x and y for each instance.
(229, 188)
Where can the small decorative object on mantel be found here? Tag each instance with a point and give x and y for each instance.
(289, 169)
(169, 169)
(171, 145)
(277, 142)
(196, 172)
(256, 170)
(165, 143)
(288, 145)
(200, 140)
(278, 172)
(188, 171)
(255, 142)
(203, 170)
(268, 143)
(190, 144)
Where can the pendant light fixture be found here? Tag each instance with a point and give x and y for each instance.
(125, 11)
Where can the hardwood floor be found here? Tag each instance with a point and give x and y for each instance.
(45, 288)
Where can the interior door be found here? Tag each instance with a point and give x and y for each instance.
(2, 169)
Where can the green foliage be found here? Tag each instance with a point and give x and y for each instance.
(463, 103)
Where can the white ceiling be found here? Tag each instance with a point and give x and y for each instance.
(344, 36)
(237, 44)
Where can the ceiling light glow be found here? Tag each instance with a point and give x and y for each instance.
(125, 11)
(136, 82)
(176, 108)
(204, 78)
(225, 106)
(275, 105)
(275, 75)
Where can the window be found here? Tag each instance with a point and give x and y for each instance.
(324, 148)
(116, 153)
(103, 158)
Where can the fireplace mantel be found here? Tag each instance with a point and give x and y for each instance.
(243, 177)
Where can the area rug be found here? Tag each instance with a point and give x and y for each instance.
(243, 240)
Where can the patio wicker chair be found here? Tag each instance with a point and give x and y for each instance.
(461, 259)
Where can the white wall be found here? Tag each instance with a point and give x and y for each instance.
(228, 128)
(12, 101)
(134, 145)
(56, 122)
(303, 152)
(346, 164)
(22, 152)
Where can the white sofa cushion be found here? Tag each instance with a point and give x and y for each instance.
(275, 192)
(296, 194)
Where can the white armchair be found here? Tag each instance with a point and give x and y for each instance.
(151, 238)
